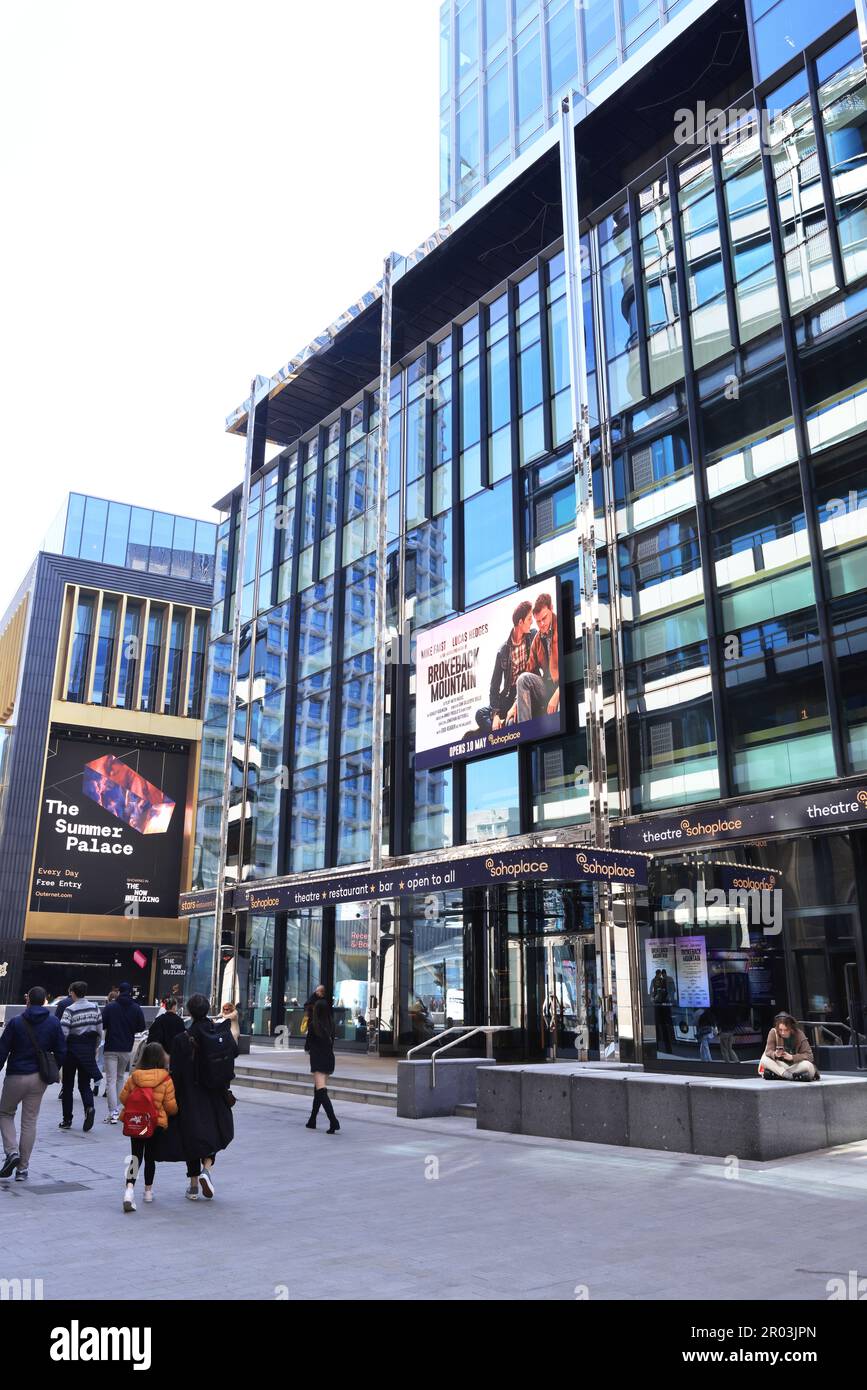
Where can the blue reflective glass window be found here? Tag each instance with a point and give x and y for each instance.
(489, 565)
(492, 798)
(789, 26)
(495, 22)
(528, 84)
(116, 534)
(497, 109)
(182, 547)
(160, 558)
(138, 550)
(93, 529)
(562, 48)
(74, 519)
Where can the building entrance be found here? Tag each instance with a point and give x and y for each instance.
(563, 1023)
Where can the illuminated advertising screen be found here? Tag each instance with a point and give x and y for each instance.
(490, 680)
(111, 829)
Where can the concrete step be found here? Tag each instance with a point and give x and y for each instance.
(338, 1089)
(467, 1111)
(264, 1072)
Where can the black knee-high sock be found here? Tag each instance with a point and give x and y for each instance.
(317, 1102)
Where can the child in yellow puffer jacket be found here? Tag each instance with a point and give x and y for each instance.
(151, 1075)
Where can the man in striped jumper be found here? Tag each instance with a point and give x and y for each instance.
(82, 1027)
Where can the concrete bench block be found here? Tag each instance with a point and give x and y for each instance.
(845, 1112)
(546, 1105)
(658, 1113)
(499, 1100)
(456, 1084)
(725, 1121)
(599, 1108)
(792, 1119)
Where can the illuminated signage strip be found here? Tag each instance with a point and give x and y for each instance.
(815, 811)
(512, 866)
(197, 904)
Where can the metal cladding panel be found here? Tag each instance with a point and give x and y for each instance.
(53, 573)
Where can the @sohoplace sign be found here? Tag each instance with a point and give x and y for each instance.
(587, 865)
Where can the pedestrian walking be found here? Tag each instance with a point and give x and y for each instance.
(229, 1014)
(320, 1046)
(148, 1100)
(166, 1026)
(788, 1053)
(82, 1029)
(100, 1051)
(202, 1066)
(122, 1018)
(32, 1048)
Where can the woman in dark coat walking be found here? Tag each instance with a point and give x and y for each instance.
(320, 1045)
(204, 1115)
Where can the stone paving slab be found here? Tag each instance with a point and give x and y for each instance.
(433, 1209)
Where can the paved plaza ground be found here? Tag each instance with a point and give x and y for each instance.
(397, 1209)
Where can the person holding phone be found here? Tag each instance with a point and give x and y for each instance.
(788, 1054)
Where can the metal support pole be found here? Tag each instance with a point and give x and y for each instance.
(381, 643)
(861, 12)
(255, 386)
(586, 543)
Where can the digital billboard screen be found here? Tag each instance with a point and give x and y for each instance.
(490, 680)
(111, 829)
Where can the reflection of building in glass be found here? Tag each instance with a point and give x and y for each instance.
(724, 294)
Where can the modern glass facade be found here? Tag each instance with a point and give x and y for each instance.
(505, 66)
(135, 538)
(724, 292)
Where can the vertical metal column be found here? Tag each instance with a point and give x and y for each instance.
(379, 651)
(233, 688)
(861, 12)
(586, 541)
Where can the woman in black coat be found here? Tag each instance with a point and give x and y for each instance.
(204, 1115)
(320, 1045)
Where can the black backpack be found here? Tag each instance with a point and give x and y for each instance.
(215, 1054)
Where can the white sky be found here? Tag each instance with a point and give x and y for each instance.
(191, 192)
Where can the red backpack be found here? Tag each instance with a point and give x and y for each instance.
(140, 1114)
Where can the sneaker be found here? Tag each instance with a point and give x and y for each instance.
(206, 1183)
(65, 1124)
(192, 1193)
(89, 1117)
(149, 1194)
(107, 1120)
(114, 1117)
(129, 1199)
(9, 1166)
(21, 1175)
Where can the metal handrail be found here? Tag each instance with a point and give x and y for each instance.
(820, 1026)
(465, 1031)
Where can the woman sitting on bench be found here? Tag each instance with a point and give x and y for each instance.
(788, 1054)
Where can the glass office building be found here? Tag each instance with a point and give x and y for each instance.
(723, 275)
(505, 65)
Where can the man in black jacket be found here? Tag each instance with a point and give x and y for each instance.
(166, 1026)
(510, 662)
(23, 1038)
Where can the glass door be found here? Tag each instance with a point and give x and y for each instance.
(561, 1012)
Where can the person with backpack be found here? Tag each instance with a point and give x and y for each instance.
(148, 1099)
(122, 1018)
(202, 1067)
(320, 1046)
(166, 1026)
(32, 1048)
